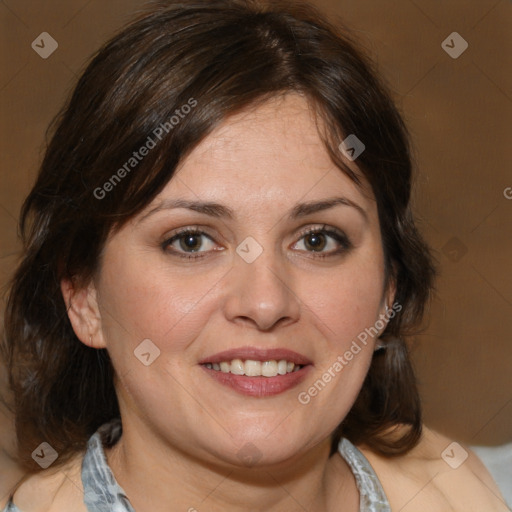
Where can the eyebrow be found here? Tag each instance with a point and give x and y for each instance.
(221, 211)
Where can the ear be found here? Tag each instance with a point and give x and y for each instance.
(389, 293)
(83, 312)
(388, 298)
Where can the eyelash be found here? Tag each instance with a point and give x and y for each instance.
(337, 235)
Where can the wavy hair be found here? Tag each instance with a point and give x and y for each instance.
(227, 55)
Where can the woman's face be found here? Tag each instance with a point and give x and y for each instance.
(249, 284)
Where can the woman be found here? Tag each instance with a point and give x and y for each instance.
(220, 268)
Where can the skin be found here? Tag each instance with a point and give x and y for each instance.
(182, 431)
(421, 479)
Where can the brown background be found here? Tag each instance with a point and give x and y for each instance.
(459, 114)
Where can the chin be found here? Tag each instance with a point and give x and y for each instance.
(261, 448)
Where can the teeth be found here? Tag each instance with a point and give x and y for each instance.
(269, 369)
(253, 368)
(237, 367)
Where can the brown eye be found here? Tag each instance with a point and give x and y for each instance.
(325, 242)
(189, 241)
(315, 241)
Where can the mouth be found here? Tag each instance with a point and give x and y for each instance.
(255, 372)
(253, 368)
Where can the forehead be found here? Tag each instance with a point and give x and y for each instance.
(271, 154)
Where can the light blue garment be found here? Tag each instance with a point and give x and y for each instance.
(104, 494)
(372, 496)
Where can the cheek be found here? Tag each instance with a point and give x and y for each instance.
(348, 301)
(143, 299)
(343, 363)
(345, 309)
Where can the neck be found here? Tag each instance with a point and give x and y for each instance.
(157, 476)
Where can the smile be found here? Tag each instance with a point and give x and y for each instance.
(252, 368)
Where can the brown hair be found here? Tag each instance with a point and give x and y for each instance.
(219, 57)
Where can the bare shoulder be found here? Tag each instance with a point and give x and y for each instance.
(438, 474)
(52, 490)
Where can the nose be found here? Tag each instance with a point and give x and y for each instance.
(261, 294)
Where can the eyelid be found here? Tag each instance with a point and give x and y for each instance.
(187, 229)
(326, 228)
(330, 231)
(197, 230)
(337, 234)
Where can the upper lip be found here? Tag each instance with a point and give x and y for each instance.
(257, 354)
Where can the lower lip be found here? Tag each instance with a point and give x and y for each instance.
(260, 386)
